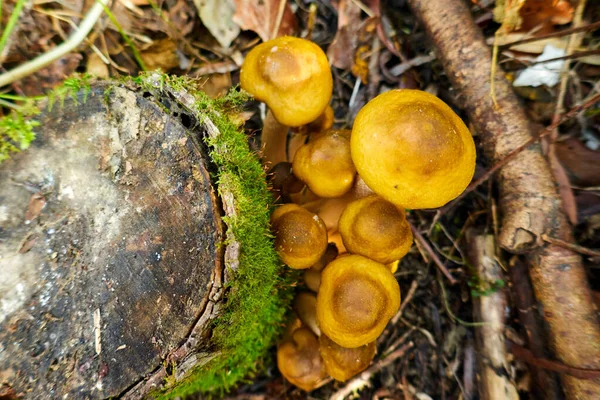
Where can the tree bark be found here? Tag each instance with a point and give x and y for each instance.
(110, 255)
(529, 202)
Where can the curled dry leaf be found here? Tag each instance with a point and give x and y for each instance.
(262, 17)
(217, 17)
(37, 202)
(341, 50)
(161, 54)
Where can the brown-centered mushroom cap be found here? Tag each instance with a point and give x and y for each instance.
(375, 228)
(299, 360)
(325, 164)
(300, 236)
(412, 149)
(342, 363)
(356, 299)
(292, 76)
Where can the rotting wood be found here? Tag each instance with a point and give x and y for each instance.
(530, 203)
(121, 262)
(495, 382)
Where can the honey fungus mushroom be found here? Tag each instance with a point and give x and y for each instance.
(299, 360)
(300, 236)
(412, 149)
(292, 76)
(356, 300)
(325, 164)
(342, 363)
(375, 228)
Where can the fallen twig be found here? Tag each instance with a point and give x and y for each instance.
(434, 257)
(527, 356)
(571, 246)
(363, 379)
(589, 27)
(44, 59)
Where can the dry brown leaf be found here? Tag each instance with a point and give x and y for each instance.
(216, 15)
(97, 67)
(37, 202)
(162, 54)
(582, 164)
(564, 186)
(261, 17)
(341, 50)
(216, 85)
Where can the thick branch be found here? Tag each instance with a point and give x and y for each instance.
(529, 200)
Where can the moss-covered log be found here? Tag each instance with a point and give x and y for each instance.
(134, 250)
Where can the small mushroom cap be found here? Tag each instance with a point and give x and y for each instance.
(325, 164)
(299, 360)
(305, 306)
(375, 228)
(300, 236)
(412, 149)
(292, 76)
(342, 363)
(356, 299)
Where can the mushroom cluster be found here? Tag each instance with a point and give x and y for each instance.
(344, 222)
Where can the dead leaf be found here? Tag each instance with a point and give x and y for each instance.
(37, 202)
(162, 54)
(216, 85)
(564, 186)
(96, 67)
(261, 17)
(182, 17)
(341, 50)
(218, 17)
(582, 164)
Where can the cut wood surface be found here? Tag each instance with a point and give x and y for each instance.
(109, 248)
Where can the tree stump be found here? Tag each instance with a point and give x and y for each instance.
(111, 255)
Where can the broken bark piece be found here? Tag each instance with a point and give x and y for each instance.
(529, 202)
(495, 382)
(114, 287)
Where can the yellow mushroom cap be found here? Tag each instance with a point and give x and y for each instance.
(356, 299)
(300, 236)
(292, 76)
(325, 164)
(412, 149)
(342, 363)
(375, 228)
(299, 360)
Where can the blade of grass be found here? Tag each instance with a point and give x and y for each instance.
(129, 42)
(10, 25)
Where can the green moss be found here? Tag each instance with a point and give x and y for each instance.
(258, 295)
(17, 128)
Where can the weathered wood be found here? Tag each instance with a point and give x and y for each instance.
(110, 235)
